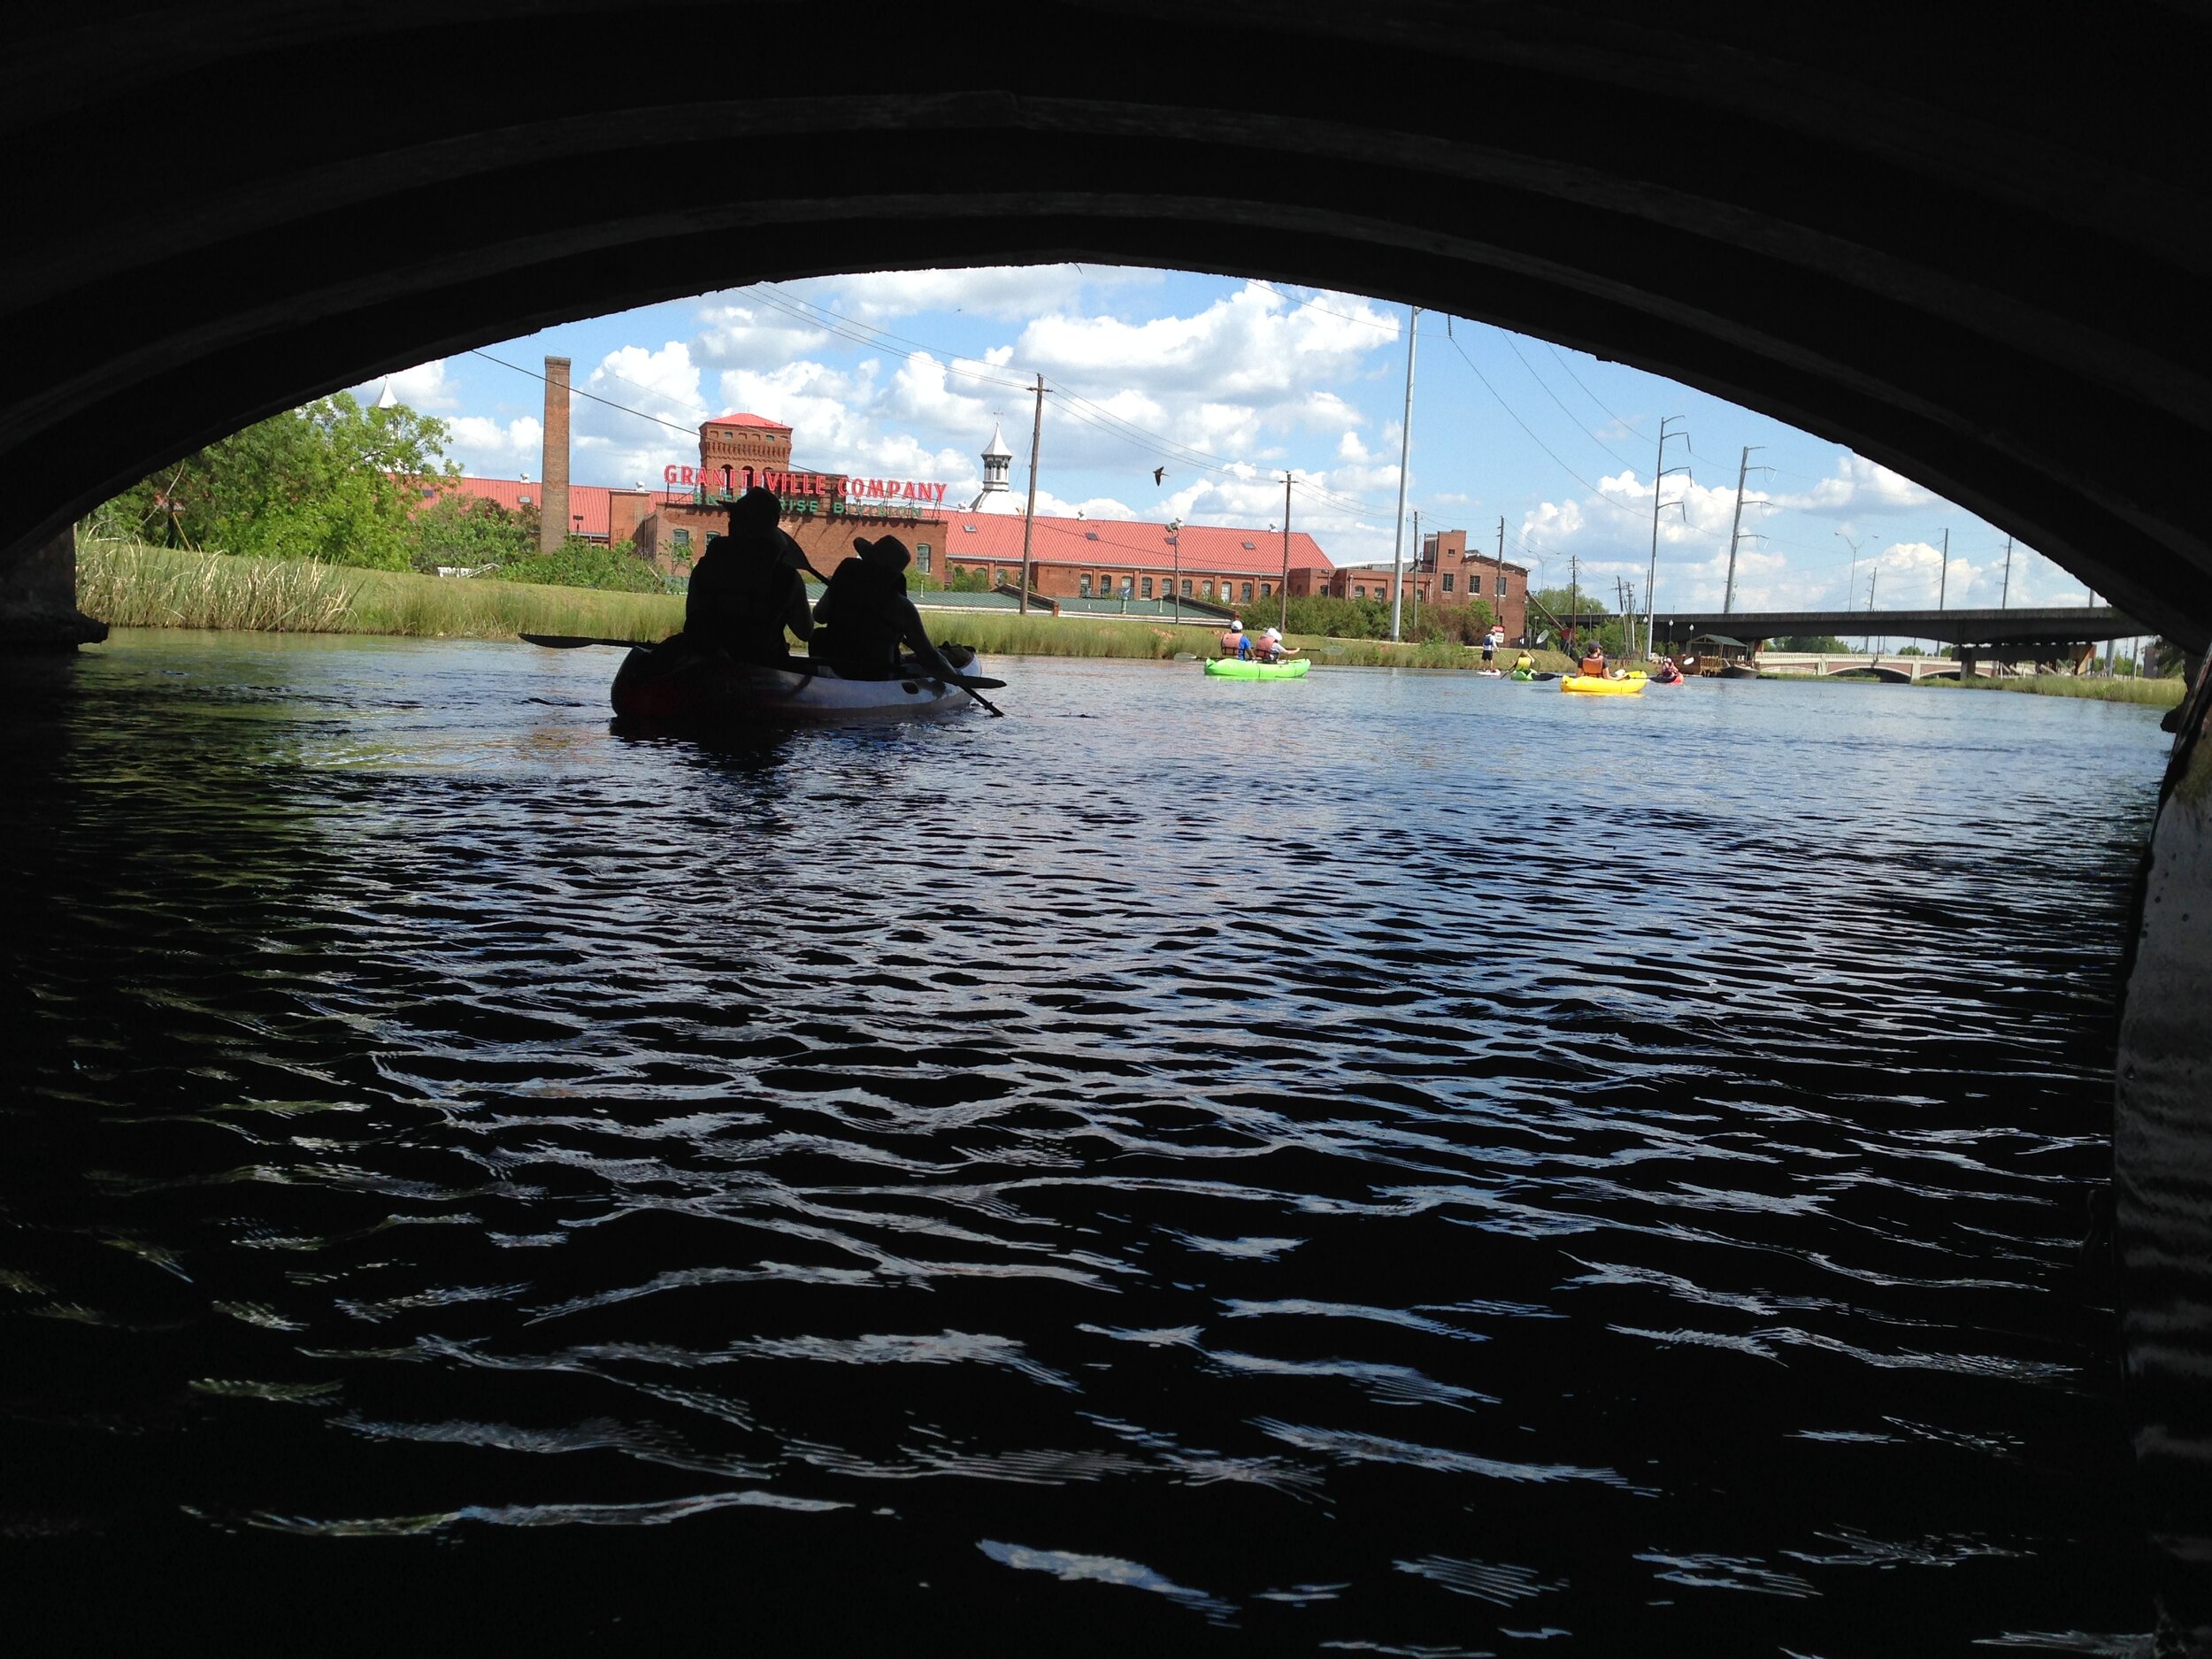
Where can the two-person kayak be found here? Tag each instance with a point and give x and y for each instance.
(683, 688)
(1250, 668)
(1598, 686)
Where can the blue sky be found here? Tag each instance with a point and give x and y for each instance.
(1227, 383)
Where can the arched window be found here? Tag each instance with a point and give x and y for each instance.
(1083, 586)
(1147, 588)
(748, 478)
(1186, 586)
(727, 481)
(1247, 590)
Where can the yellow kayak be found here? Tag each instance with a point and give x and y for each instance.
(1599, 687)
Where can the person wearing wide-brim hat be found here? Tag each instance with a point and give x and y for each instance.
(745, 589)
(865, 616)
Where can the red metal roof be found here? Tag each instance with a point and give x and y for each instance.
(740, 418)
(1116, 544)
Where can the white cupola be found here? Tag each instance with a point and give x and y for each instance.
(996, 459)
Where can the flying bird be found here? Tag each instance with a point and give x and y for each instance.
(1158, 473)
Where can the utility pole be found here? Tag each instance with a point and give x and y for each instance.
(1175, 582)
(1417, 568)
(1658, 485)
(1405, 455)
(2004, 594)
(1029, 516)
(1735, 527)
(1283, 592)
(1943, 577)
(1497, 593)
(1574, 594)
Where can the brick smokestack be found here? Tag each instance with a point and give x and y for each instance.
(553, 526)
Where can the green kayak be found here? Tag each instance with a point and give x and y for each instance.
(1523, 673)
(1243, 668)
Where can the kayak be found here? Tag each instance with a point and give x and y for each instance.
(1524, 674)
(1245, 668)
(1597, 686)
(687, 688)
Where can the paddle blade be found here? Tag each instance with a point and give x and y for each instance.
(570, 641)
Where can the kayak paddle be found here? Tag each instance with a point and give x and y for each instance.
(570, 641)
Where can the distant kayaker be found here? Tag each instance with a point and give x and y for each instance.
(1271, 648)
(1523, 663)
(865, 616)
(745, 589)
(1232, 640)
(1593, 663)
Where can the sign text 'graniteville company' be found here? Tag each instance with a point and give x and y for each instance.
(870, 489)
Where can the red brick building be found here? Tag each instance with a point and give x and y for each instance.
(1070, 558)
(1115, 559)
(1450, 573)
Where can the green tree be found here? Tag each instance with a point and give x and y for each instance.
(1816, 642)
(581, 564)
(331, 482)
(470, 532)
(1610, 636)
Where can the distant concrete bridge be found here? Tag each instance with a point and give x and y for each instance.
(1827, 665)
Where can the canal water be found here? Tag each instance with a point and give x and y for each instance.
(1383, 1162)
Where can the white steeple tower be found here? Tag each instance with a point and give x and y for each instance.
(996, 459)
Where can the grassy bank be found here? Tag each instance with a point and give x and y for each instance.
(1003, 635)
(127, 586)
(2158, 694)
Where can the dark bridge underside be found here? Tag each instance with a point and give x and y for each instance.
(1975, 253)
(2055, 625)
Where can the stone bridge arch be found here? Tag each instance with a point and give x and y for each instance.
(1985, 278)
(1975, 255)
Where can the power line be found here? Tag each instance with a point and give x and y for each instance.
(689, 432)
(1637, 512)
(1563, 409)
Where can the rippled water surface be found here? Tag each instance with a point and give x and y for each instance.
(1388, 1162)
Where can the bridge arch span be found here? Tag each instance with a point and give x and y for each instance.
(1981, 266)
(1701, 215)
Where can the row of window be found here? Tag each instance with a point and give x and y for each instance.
(1141, 587)
(1474, 585)
(680, 542)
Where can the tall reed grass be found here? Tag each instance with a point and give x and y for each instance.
(129, 585)
(2158, 694)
